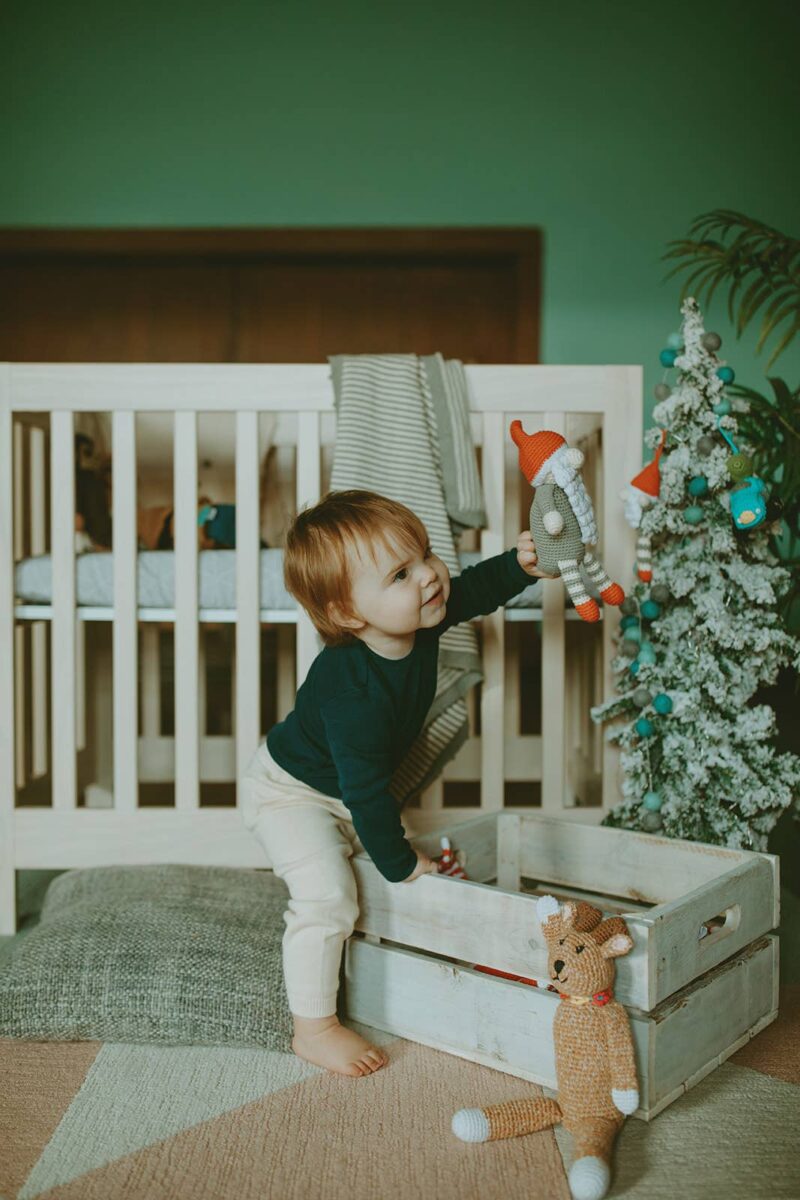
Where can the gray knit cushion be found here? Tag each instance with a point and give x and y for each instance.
(165, 954)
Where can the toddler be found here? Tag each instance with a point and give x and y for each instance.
(318, 790)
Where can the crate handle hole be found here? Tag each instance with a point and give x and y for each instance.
(718, 926)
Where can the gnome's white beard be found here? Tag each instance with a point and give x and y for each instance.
(567, 477)
(634, 501)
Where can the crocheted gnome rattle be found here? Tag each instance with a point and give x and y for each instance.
(562, 517)
(595, 1068)
(642, 490)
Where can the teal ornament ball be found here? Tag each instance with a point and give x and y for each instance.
(698, 486)
(634, 667)
(726, 374)
(628, 607)
(723, 408)
(652, 801)
(633, 633)
(628, 622)
(667, 358)
(693, 515)
(651, 821)
(660, 593)
(646, 654)
(651, 610)
(675, 341)
(662, 703)
(644, 728)
(642, 697)
(711, 342)
(662, 391)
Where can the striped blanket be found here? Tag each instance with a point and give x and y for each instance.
(403, 431)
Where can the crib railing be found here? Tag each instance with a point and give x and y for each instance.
(38, 407)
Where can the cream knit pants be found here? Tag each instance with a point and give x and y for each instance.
(308, 839)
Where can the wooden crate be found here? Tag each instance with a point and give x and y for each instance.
(700, 981)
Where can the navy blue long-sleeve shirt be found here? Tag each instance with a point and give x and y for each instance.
(357, 714)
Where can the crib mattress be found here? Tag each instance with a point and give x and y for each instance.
(94, 580)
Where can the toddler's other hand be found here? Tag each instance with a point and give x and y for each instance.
(424, 866)
(527, 556)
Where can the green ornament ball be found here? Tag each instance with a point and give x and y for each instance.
(711, 342)
(723, 408)
(652, 801)
(651, 610)
(642, 697)
(693, 515)
(628, 607)
(698, 486)
(633, 633)
(739, 466)
(651, 821)
(662, 703)
(705, 444)
(726, 374)
(646, 654)
(644, 728)
(662, 391)
(660, 593)
(675, 341)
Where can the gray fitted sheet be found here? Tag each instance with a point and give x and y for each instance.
(94, 580)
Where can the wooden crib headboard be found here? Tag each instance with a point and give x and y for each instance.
(599, 407)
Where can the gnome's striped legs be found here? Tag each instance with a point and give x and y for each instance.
(585, 606)
(644, 567)
(611, 593)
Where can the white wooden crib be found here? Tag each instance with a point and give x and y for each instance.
(80, 725)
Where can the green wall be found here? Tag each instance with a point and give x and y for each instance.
(609, 126)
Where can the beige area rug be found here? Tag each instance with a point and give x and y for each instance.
(91, 1121)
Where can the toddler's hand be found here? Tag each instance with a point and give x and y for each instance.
(527, 557)
(424, 866)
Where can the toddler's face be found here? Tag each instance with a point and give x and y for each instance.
(399, 591)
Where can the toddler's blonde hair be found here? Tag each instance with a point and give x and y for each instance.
(316, 563)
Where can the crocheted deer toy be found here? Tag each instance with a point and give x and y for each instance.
(562, 517)
(597, 1085)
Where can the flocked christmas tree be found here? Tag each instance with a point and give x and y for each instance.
(701, 628)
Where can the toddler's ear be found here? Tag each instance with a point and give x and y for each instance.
(346, 620)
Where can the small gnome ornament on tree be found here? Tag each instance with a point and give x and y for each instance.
(562, 517)
(641, 492)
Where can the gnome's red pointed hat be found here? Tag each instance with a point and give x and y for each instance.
(649, 479)
(537, 452)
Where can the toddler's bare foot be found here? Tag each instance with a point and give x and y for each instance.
(325, 1043)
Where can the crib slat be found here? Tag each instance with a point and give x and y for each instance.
(308, 493)
(248, 591)
(38, 544)
(493, 690)
(553, 677)
(125, 643)
(62, 535)
(8, 915)
(187, 714)
(151, 682)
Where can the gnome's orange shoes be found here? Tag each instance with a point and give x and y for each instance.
(588, 611)
(613, 594)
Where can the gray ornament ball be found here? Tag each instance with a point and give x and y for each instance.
(628, 607)
(641, 697)
(630, 648)
(711, 341)
(661, 391)
(660, 593)
(705, 444)
(650, 821)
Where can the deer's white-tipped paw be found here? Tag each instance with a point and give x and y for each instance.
(589, 1178)
(471, 1125)
(625, 1099)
